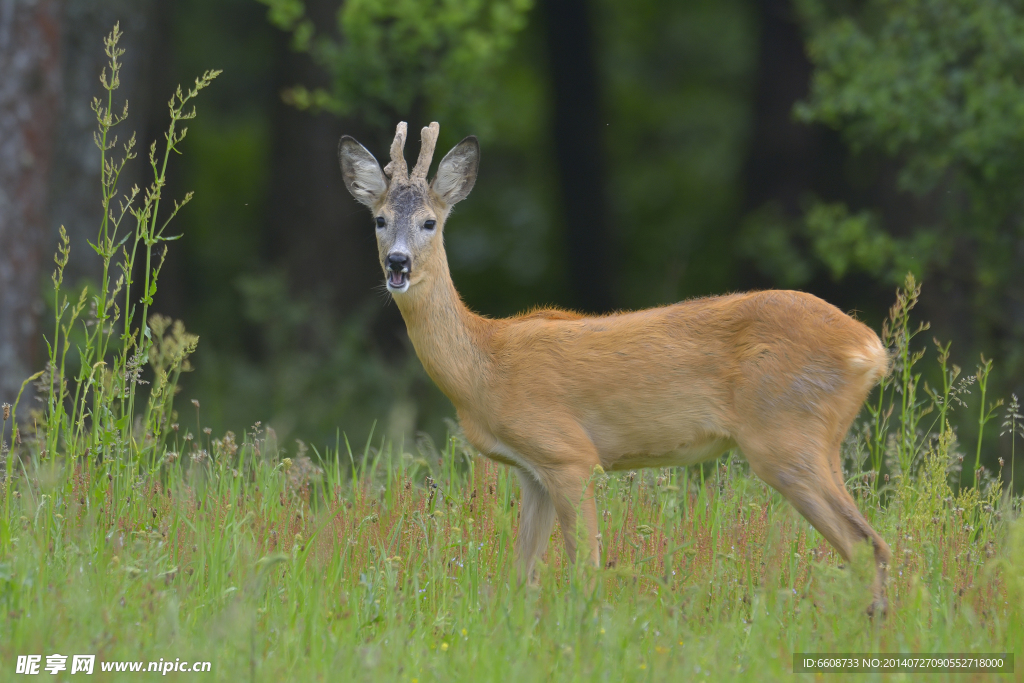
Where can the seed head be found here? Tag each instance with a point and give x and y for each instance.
(7, 412)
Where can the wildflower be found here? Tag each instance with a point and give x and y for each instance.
(225, 446)
(301, 472)
(1013, 423)
(444, 647)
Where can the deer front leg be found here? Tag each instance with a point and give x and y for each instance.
(558, 465)
(536, 517)
(572, 492)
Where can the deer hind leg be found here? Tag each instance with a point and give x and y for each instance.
(806, 476)
(537, 516)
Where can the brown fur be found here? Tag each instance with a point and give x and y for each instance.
(779, 374)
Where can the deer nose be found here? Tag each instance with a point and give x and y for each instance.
(399, 262)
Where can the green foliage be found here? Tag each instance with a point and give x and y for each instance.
(985, 414)
(319, 373)
(902, 450)
(676, 80)
(93, 415)
(395, 57)
(937, 82)
(841, 241)
(903, 447)
(928, 95)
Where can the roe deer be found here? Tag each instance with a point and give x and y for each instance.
(779, 374)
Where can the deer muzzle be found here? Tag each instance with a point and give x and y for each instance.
(398, 267)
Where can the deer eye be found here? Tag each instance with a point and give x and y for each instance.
(429, 225)
(381, 222)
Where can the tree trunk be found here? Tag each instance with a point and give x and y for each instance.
(787, 158)
(578, 136)
(316, 231)
(29, 87)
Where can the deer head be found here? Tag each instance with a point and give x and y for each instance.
(408, 211)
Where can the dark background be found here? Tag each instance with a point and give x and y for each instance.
(633, 154)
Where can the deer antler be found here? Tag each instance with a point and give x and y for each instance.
(397, 170)
(428, 139)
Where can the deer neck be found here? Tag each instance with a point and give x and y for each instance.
(450, 340)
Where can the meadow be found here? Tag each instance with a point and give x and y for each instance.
(131, 532)
(397, 566)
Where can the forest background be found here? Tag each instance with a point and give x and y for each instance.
(634, 154)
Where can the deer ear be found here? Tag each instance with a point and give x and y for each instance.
(361, 172)
(456, 173)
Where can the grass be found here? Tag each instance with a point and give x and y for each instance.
(125, 535)
(277, 569)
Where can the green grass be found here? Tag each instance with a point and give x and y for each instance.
(276, 569)
(125, 535)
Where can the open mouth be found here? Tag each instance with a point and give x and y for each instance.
(398, 281)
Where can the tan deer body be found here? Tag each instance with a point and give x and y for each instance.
(781, 375)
